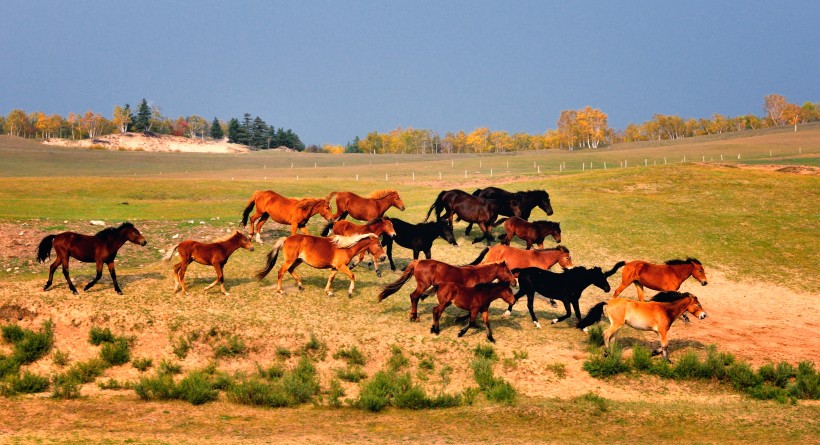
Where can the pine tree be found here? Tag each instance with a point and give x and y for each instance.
(143, 121)
(258, 133)
(234, 131)
(216, 130)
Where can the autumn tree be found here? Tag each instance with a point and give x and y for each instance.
(122, 117)
(775, 104)
(792, 114)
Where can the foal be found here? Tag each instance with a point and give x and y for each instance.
(473, 299)
(531, 232)
(379, 226)
(214, 254)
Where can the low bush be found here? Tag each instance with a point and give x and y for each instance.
(98, 335)
(609, 364)
(60, 358)
(196, 389)
(31, 346)
(351, 374)
(12, 333)
(117, 352)
(397, 360)
(233, 346)
(494, 388)
(351, 355)
(142, 364)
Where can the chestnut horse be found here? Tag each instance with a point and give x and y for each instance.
(661, 277)
(656, 315)
(295, 212)
(519, 258)
(378, 227)
(366, 209)
(431, 272)
(214, 254)
(525, 201)
(531, 232)
(473, 299)
(100, 249)
(469, 208)
(321, 253)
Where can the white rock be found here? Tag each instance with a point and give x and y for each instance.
(175, 236)
(96, 222)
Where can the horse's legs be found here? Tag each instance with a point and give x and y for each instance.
(51, 270)
(530, 301)
(291, 270)
(389, 247)
(521, 292)
(256, 226)
(333, 273)
(220, 278)
(376, 266)
(437, 311)
(565, 316)
(304, 230)
(473, 315)
(609, 334)
(352, 277)
(639, 287)
(486, 316)
(67, 277)
(114, 278)
(176, 276)
(96, 278)
(620, 289)
(183, 266)
(529, 245)
(469, 228)
(414, 301)
(577, 309)
(285, 266)
(664, 345)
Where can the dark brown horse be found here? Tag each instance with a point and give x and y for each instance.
(431, 272)
(469, 208)
(378, 227)
(473, 299)
(294, 212)
(214, 254)
(366, 209)
(525, 201)
(661, 277)
(531, 232)
(322, 253)
(100, 249)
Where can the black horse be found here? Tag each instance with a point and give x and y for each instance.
(524, 201)
(418, 237)
(469, 208)
(566, 286)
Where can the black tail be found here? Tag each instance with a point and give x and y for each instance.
(391, 289)
(500, 221)
(437, 205)
(44, 249)
(326, 229)
(247, 211)
(477, 192)
(593, 316)
(271, 261)
(615, 268)
(481, 256)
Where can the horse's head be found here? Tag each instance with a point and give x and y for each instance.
(245, 241)
(698, 272)
(505, 275)
(556, 232)
(387, 227)
(397, 201)
(544, 202)
(446, 231)
(507, 295)
(695, 308)
(375, 248)
(322, 207)
(598, 278)
(564, 258)
(132, 234)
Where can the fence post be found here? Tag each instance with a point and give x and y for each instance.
(604, 165)
(414, 175)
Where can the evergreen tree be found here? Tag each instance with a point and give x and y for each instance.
(353, 147)
(131, 117)
(234, 130)
(216, 130)
(143, 120)
(292, 140)
(258, 133)
(272, 140)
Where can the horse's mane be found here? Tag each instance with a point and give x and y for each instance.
(491, 285)
(227, 237)
(308, 203)
(670, 296)
(379, 194)
(678, 261)
(551, 224)
(375, 220)
(559, 247)
(347, 241)
(112, 230)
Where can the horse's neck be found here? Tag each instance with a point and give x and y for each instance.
(676, 308)
(231, 245)
(683, 271)
(376, 229)
(359, 245)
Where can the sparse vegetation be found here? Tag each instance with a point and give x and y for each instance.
(496, 389)
(98, 335)
(351, 355)
(142, 364)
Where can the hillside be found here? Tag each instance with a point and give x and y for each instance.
(150, 142)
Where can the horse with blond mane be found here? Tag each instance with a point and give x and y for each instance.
(290, 211)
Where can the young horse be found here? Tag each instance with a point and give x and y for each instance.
(473, 299)
(566, 287)
(661, 277)
(295, 212)
(417, 237)
(531, 232)
(468, 208)
(379, 226)
(214, 254)
(366, 209)
(321, 253)
(431, 272)
(656, 315)
(525, 201)
(100, 249)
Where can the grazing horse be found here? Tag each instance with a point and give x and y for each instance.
(321, 253)
(379, 226)
(661, 277)
(366, 209)
(656, 315)
(566, 287)
(531, 232)
(473, 299)
(100, 249)
(214, 254)
(417, 237)
(295, 212)
(468, 208)
(525, 202)
(431, 272)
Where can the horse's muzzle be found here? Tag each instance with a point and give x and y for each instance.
(250, 249)
(144, 242)
(703, 283)
(702, 316)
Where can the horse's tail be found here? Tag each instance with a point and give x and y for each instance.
(437, 205)
(615, 268)
(326, 229)
(500, 221)
(271, 259)
(593, 316)
(44, 249)
(391, 289)
(248, 209)
(170, 253)
(330, 196)
(481, 256)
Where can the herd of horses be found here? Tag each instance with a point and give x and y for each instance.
(471, 287)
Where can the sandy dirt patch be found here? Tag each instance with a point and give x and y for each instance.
(151, 142)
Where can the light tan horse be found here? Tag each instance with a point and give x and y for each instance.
(294, 212)
(377, 227)
(321, 253)
(214, 254)
(366, 209)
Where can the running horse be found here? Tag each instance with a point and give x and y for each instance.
(531, 232)
(379, 226)
(656, 315)
(100, 249)
(475, 300)
(417, 237)
(660, 277)
(214, 254)
(366, 209)
(321, 253)
(468, 208)
(293, 212)
(525, 201)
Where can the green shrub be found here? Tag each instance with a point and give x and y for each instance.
(661, 368)
(397, 360)
(494, 388)
(181, 347)
(272, 372)
(28, 383)
(807, 382)
(426, 363)
(282, 353)
(596, 336)
(767, 391)
(689, 367)
(641, 358)
(9, 365)
(610, 364)
(12, 333)
(742, 376)
(142, 364)
(376, 393)
(196, 389)
(60, 358)
(301, 384)
(716, 363)
(112, 384)
(167, 367)
(590, 398)
(257, 392)
(485, 351)
(98, 335)
(314, 348)
(65, 386)
(352, 355)
(86, 372)
(159, 387)
(559, 369)
(34, 345)
(351, 374)
(233, 347)
(117, 352)
(335, 394)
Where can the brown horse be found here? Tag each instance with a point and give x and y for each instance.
(661, 277)
(295, 212)
(432, 272)
(519, 258)
(531, 232)
(321, 253)
(214, 254)
(100, 249)
(656, 315)
(376, 226)
(473, 299)
(366, 209)
(469, 208)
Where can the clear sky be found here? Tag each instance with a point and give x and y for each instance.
(332, 70)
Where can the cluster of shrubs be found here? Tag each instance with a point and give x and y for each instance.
(28, 347)
(494, 388)
(782, 382)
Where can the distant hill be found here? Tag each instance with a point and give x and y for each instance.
(151, 142)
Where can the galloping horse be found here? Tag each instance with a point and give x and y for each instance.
(524, 201)
(531, 232)
(519, 258)
(566, 287)
(214, 254)
(473, 299)
(661, 277)
(431, 272)
(366, 209)
(100, 248)
(417, 237)
(656, 315)
(295, 212)
(321, 253)
(468, 208)
(379, 226)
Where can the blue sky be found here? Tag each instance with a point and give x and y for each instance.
(332, 70)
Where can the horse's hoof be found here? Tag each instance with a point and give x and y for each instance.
(586, 330)
(119, 292)
(554, 320)
(301, 288)
(75, 292)
(350, 295)
(227, 294)
(330, 293)
(507, 313)
(537, 324)
(461, 334)
(492, 340)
